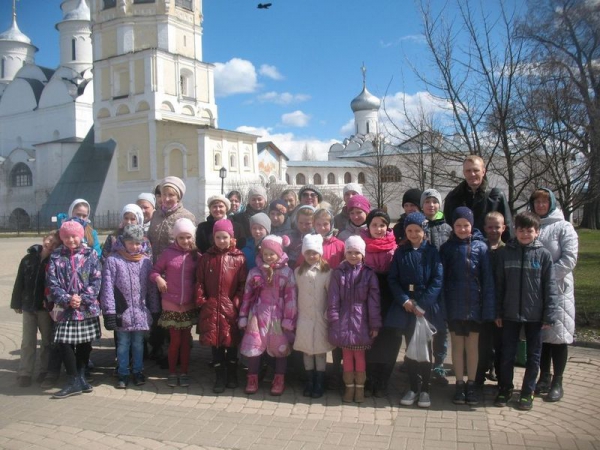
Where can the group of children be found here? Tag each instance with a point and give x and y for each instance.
(340, 290)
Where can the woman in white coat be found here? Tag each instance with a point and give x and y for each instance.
(559, 237)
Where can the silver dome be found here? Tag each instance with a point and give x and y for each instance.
(14, 34)
(365, 101)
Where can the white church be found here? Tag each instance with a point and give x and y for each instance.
(131, 102)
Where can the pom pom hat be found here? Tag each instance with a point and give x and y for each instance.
(313, 242)
(275, 243)
(355, 243)
(71, 228)
(183, 225)
(223, 225)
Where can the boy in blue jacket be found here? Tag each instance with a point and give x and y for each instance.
(527, 297)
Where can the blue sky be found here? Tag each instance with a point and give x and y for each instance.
(288, 73)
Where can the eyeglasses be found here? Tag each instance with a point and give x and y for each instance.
(309, 194)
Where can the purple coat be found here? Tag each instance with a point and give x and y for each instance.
(126, 291)
(353, 309)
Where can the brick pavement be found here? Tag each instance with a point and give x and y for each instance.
(155, 416)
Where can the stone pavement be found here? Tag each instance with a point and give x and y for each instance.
(155, 416)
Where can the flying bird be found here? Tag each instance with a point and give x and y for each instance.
(264, 5)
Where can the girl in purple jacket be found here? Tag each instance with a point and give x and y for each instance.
(354, 316)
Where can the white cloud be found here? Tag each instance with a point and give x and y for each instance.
(411, 38)
(295, 119)
(236, 76)
(282, 98)
(270, 72)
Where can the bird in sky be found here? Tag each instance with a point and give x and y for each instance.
(264, 5)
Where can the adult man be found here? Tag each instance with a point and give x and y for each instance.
(147, 202)
(473, 193)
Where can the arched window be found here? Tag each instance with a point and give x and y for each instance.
(218, 160)
(246, 161)
(347, 178)
(73, 49)
(317, 179)
(331, 178)
(19, 219)
(21, 176)
(361, 178)
(300, 179)
(232, 161)
(185, 83)
(287, 178)
(391, 174)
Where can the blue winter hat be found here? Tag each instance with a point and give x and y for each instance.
(416, 218)
(462, 212)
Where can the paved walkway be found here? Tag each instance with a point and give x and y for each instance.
(155, 416)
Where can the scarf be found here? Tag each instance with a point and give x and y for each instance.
(384, 244)
(130, 256)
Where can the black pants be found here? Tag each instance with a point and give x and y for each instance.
(557, 354)
(75, 356)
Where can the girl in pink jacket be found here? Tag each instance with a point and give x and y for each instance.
(175, 275)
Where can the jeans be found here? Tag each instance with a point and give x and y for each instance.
(135, 341)
(510, 339)
(32, 321)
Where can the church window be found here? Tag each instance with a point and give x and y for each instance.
(2, 68)
(331, 178)
(73, 49)
(232, 161)
(185, 4)
(287, 178)
(300, 179)
(110, 4)
(317, 179)
(217, 160)
(391, 174)
(347, 178)
(21, 176)
(246, 161)
(367, 127)
(361, 178)
(185, 83)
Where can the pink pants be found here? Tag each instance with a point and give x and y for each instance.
(354, 360)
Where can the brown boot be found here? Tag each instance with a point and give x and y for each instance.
(348, 378)
(359, 393)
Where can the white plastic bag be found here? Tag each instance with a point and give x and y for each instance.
(418, 349)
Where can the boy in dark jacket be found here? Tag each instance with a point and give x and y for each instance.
(527, 297)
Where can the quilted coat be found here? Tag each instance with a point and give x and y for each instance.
(438, 230)
(28, 291)
(159, 233)
(221, 277)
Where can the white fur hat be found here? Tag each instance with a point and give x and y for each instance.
(313, 242)
(355, 243)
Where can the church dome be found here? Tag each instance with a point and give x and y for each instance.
(81, 12)
(365, 101)
(14, 34)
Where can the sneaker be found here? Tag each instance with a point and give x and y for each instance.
(471, 397)
(172, 380)
(459, 395)
(525, 402)
(424, 400)
(123, 382)
(409, 398)
(503, 397)
(139, 379)
(184, 380)
(439, 376)
(24, 381)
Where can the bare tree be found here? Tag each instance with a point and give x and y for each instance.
(308, 153)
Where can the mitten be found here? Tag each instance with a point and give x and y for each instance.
(110, 321)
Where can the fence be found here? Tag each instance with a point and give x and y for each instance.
(21, 222)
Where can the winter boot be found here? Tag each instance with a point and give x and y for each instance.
(348, 378)
(73, 387)
(556, 390)
(232, 379)
(471, 397)
(252, 384)
(543, 384)
(309, 386)
(85, 386)
(318, 385)
(219, 386)
(278, 385)
(359, 393)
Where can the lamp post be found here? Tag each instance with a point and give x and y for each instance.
(223, 175)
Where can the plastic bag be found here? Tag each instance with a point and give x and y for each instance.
(418, 349)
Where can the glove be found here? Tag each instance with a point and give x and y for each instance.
(110, 321)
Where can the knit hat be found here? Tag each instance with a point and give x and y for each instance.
(261, 219)
(278, 205)
(133, 233)
(429, 193)
(355, 243)
(412, 196)
(175, 183)
(71, 228)
(378, 213)
(76, 202)
(257, 190)
(219, 198)
(223, 225)
(147, 196)
(311, 187)
(353, 187)
(275, 243)
(136, 210)
(462, 212)
(183, 225)
(313, 242)
(361, 202)
(416, 218)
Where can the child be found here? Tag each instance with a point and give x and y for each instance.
(411, 202)
(358, 208)
(469, 298)
(131, 214)
(127, 302)
(260, 226)
(82, 210)
(333, 248)
(221, 278)
(280, 222)
(73, 284)
(303, 225)
(312, 278)
(527, 297)
(268, 313)
(28, 299)
(174, 273)
(353, 315)
(416, 283)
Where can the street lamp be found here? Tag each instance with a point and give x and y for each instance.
(223, 175)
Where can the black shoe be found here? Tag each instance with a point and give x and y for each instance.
(310, 384)
(334, 382)
(543, 384)
(85, 386)
(24, 381)
(163, 362)
(139, 379)
(318, 385)
(73, 387)
(471, 397)
(525, 402)
(41, 377)
(439, 376)
(459, 394)
(232, 379)
(123, 382)
(503, 397)
(556, 390)
(219, 386)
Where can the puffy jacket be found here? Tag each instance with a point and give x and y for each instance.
(525, 286)
(311, 328)
(111, 244)
(74, 272)
(350, 230)
(421, 268)
(333, 252)
(127, 293)
(178, 268)
(353, 309)
(438, 230)
(468, 279)
(204, 235)
(221, 276)
(28, 292)
(161, 225)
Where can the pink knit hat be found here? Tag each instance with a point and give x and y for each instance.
(223, 225)
(71, 228)
(361, 202)
(183, 225)
(275, 243)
